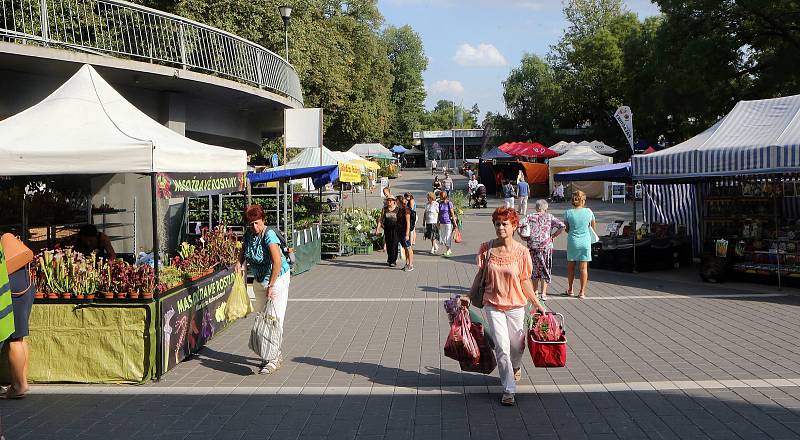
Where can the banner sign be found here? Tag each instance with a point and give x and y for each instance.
(193, 314)
(349, 173)
(303, 127)
(624, 117)
(198, 184)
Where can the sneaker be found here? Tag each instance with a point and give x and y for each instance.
(408, 268)
(392, 264)
(447, 253)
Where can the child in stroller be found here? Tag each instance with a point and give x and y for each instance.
(477, 197)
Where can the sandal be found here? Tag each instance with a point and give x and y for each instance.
(543, 297)
(517, 374)
(569, 294)
(508, 399)
(12, 394)
(581, 296)
(270, 367)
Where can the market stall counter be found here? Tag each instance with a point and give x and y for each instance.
(656, 249)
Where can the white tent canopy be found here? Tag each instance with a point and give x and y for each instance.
(369, 150)
(599, 147)
(756, 137)
(313, 157)
(577, 158)
(86, 127)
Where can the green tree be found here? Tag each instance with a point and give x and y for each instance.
(408, 61)
(532, 95)
(444, 117)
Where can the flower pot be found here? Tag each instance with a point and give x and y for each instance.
(108, 295)
(90, 296)
(52, 295)
(38, 295)
(66, 295)
(133, 295)
(147, 295)
(121, 295)
(80, 296)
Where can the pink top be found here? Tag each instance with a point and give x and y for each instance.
(505, 275)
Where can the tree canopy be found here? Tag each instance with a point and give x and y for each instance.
(679, 71)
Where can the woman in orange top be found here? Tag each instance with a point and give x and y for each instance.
(508, 289)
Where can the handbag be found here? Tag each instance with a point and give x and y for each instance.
(266, 335)
(460, 344)
(17, 254)
(457, 235)
(487, 361)
(476, 297)
(593, 235)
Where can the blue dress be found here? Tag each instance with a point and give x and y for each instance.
(579, 239)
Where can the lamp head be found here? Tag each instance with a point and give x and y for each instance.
(286, 12)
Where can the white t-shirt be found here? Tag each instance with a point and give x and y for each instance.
(472, 184)
(432, 212)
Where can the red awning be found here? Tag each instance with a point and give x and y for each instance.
(649, 150)
(525, 149)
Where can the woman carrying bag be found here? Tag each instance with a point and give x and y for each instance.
(261, 249)
(503, 288)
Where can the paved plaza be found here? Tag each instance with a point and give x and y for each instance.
(651, 356)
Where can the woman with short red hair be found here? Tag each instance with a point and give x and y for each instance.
(508, 288)
(261, 249)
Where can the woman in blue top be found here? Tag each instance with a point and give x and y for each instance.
(261, 250)
(579, 220)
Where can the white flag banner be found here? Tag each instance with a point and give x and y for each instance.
(624, 117)
(303, 128)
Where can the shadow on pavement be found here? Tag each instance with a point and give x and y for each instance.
(445, 290)
(672, 414)
(228, 362)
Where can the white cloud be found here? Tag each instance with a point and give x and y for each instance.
(447, 87)
(484, 55)
(534, 5)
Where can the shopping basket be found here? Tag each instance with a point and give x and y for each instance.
(548, 354)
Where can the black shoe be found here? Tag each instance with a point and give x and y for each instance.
(392, 264)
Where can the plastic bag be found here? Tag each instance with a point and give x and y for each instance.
(460, 344)
(487, 362)
(239, 304)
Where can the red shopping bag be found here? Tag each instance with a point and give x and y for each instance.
(487, 362)
(460, 344)
(457, 235)
(547, 342)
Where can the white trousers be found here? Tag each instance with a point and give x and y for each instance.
(508, 329)
(279, 300)
(523, 205)
(509, 202)
(446, 234)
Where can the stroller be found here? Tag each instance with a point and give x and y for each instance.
(478, 197)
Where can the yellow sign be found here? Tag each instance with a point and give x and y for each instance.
(349, 173)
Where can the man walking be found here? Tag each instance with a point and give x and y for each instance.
(523, 191)
(448, 182)
(433, 166)
(508, 194)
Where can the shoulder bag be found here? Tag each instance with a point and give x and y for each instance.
(17, 254)
(476, 297)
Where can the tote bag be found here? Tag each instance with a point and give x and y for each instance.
(266, 335)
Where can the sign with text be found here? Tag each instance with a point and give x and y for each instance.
(624, 118)
(198, 184)
(303, 127)
(349, 173)
(193, 314)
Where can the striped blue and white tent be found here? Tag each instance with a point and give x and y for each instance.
(756, 137)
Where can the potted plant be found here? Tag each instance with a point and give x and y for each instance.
(104, 278)
(147, 281)
(120, 279)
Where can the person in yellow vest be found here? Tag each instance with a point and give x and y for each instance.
(6, 308)
(20, 291)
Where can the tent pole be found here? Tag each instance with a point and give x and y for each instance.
(156, 245)
(777, 228)
(634, 228)
(286, 209)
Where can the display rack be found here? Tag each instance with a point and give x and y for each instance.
(104, 225)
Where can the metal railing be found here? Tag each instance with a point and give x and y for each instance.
(128, 30)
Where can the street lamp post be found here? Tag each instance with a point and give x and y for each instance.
(286, 12)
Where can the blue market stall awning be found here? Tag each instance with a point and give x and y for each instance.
(615, 172)
(496, 153)
(321, 175)
(399, 149)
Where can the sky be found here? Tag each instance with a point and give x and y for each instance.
(472, 45)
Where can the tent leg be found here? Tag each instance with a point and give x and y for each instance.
(778, 231)
(634, 230)
(156, 257)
